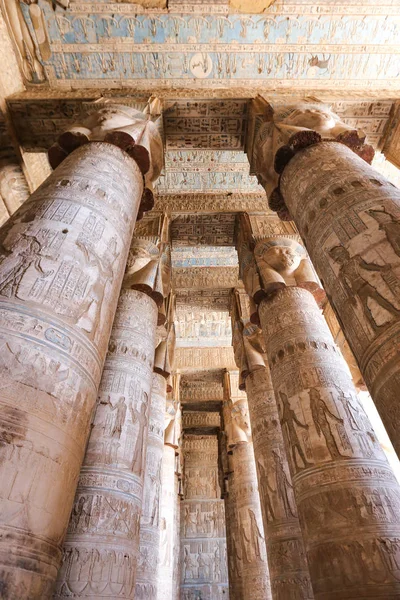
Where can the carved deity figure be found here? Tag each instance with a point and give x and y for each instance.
(118, 421)
(239, 427)
(283, 486)
(139, 417)
(321, 413)
(144, 270)
(281, 123)
(251, 537)
(24, 253)
(264, 489)
(288, 421)
(390, 226)
(155, 504)
(353, 273)
(283, 262)
(190, 565)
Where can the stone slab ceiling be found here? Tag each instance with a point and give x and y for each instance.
(293, 44)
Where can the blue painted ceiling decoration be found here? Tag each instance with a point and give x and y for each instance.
(293, 44)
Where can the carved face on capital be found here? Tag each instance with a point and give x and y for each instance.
(314, 117)
(282, 258)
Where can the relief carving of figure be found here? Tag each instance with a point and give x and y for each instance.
(155, 508)
(352, 272)
(240, 423)
(288, 421)
(390, 226)
(284, 262)
(264, 489)
(283, 486)
(90, 317)
(117, 422)
(203, 566)
(251, 538)
(24, 253)
(139, 417)
(320, 413)
(190, 565)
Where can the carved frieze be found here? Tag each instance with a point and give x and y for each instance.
(203, 278)
(191, 359)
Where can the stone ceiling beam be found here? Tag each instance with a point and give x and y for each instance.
(205, 278)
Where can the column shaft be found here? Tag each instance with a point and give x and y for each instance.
(101, 546)
(146, 580)
(168, 506)
(63, 257)
(287, 561)
(348, 216)
(232, 543)
(346, 494)
(249, 547)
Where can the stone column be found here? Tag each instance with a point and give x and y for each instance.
(287, 561)
(146, 580)
(103, 532)
(172, 427)
(249, 561)
(346, 494)
(168, 506)
(348, 216)
(63, 255)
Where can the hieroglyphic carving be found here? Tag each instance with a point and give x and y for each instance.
(203, 546)
(63, 255)
(167, 519)
(148, 561)
(351, 229)
(200, 419)
(211, 277)
(111, 480)
(339, 472)
(284, 543)
(204, 358)
(205, 203)
(247, 558)
(210, 230)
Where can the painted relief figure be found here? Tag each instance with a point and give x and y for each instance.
(321, 414)
(139, 417)
(289, 422)
(390, 226)
(24, 253)
(353, 271)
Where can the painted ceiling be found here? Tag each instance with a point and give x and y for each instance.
(294, 43)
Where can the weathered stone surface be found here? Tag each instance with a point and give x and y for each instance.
(167, 520)
(104, 529)
(64, 254)
(339, 472)
(250, 6)
(147, 569)
(248, 559)
(287, 561)
(203, 545)
(348, 214)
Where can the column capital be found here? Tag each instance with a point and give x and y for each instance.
(148, 268)
(277, 133)
(247, 339)
(235, 411)
(137, 133)
(269, 263)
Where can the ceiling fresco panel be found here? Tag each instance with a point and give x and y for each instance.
(294, 45)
